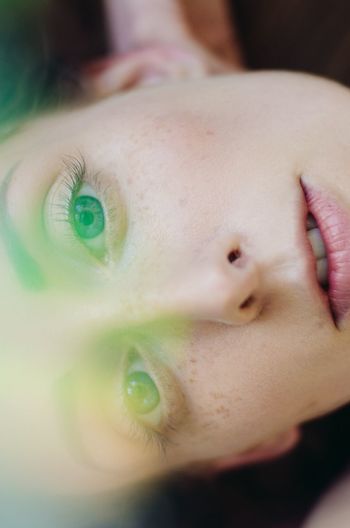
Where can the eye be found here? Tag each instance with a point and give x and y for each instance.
(141, 393)
(88, 216)
(85, 214)
(125, 389)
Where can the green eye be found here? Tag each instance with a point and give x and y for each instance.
(142, 395)
(88, 216)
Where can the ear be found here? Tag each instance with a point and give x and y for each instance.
(152, 64)
(117, 73)
(262, 453)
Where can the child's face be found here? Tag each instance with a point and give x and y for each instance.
(122, 327)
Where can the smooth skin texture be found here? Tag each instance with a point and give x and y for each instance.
(204, 281)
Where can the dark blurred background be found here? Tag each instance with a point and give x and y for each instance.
(43, 44)
(306, 35)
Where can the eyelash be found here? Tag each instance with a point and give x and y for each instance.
(76, 176)
(61, 199)
(135, 428)
(149, 436)
(76, 171)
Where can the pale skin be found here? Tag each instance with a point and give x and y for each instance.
(238, 379)
(196, 170)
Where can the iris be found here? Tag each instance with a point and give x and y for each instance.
(88, 216)
(142, 395)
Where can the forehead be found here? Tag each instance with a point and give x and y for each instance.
(190, 110)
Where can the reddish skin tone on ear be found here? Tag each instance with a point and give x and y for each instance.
(153, 41)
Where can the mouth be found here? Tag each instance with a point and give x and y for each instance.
(328, 231)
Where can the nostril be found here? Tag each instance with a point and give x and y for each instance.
(233, 255)
(247, 303)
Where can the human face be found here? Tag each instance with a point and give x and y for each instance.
(157, 241)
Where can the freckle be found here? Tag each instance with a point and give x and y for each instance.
(182, 202)
(217, 395)
(208, 425)
(193, 360)
(209, 132)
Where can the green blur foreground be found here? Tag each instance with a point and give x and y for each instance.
(61, 405)
(65, 388)
(28, 72)
(87, 397)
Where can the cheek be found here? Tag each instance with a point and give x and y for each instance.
(226, 394)
(245, 385)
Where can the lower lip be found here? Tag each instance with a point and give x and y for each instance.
(334, 224)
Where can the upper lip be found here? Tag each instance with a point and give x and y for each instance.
(334, 224)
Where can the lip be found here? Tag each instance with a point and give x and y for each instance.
(334, 224)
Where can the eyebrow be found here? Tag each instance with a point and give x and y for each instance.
(27, 269)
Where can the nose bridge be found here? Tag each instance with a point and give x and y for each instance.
(223, 285)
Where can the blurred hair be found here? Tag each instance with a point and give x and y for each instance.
(33, 76)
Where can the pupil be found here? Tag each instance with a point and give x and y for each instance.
(142, 395)
(88, 217)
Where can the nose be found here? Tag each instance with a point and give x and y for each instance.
(225, 287)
